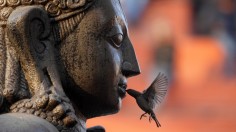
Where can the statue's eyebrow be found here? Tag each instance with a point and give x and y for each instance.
(117, 21)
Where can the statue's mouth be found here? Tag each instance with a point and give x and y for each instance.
(122, 86)
(121, 90)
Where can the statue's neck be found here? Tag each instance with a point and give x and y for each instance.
(81, 126)
(81, 120)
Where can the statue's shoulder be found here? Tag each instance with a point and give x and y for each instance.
(20, 122)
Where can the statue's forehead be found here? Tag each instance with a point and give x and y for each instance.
(119, 11)
(112, 13)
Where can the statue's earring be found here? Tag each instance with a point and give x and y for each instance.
(30, 33)
(29, 29)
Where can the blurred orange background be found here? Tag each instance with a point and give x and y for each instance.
(202, 92)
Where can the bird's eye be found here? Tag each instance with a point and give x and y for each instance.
(117, 39)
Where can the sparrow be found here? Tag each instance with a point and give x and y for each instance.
(151, 97)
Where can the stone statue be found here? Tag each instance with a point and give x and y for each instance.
(64, 61)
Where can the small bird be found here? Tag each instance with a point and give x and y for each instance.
(151, 97)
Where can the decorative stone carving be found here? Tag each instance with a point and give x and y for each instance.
(64, 61)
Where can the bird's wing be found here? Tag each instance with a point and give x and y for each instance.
(156, 91)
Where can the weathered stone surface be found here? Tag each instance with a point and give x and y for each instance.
(64, 61)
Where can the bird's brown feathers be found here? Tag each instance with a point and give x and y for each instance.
(156, 91)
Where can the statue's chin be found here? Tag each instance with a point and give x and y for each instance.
(102, 108)
(119, 104)
(91, 106)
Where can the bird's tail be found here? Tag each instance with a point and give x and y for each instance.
(155, 119)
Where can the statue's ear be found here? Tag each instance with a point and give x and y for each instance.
(28, 29)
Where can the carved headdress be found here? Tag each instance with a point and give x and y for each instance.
(58, 10)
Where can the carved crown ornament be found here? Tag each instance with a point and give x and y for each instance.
(57, 9)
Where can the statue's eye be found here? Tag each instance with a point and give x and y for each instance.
(117, 39)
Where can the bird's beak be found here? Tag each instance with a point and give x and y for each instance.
(127, 90)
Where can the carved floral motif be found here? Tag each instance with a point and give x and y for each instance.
(55, 8)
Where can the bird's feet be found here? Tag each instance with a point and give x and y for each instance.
(150, 118)
(143, 115)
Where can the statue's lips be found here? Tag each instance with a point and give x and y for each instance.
(122, 90)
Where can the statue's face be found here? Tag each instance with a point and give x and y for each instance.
(98, 57)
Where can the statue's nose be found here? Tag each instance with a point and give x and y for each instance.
(130, 66)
